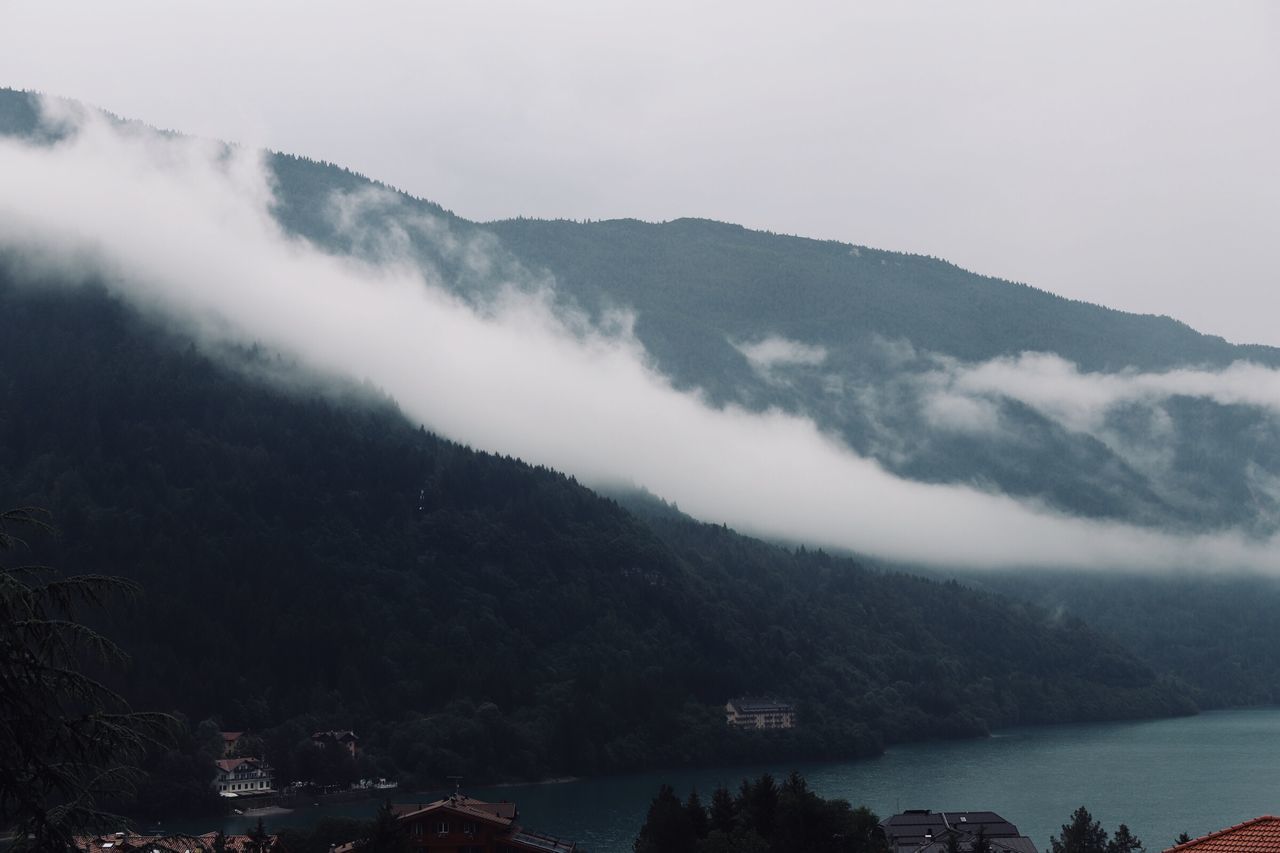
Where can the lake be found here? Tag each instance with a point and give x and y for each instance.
(1161, 777)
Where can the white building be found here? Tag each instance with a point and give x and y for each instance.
(760, 714)
(239, 776)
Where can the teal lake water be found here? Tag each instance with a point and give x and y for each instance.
(1161, 777)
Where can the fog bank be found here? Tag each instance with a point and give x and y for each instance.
(183, 229)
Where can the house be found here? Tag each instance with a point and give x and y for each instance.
(1260, 835)
(240, 776)
(229, 743)
(760, 714)
(347, 740)
(132, 841)
(924, 831)
(467, 825)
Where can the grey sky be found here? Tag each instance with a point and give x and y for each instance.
(1119, 153)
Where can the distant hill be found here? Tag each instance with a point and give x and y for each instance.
(879, 326)
(310, 558)
(703, 292)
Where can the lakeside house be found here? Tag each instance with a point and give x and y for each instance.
(1260, 835)
(133, 841)
(241, 776)
(459, 822)
(348, 740)
(924, 831)
(760, 714)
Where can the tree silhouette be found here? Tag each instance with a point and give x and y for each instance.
(259, 840)
(66, 740)
(1082, 835)
(387, 835)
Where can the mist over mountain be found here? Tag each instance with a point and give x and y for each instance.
(309, 558)
(816, 392)
(253, 382)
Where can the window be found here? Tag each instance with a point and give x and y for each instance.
(469, 827)
(442, 827)
(416, 830)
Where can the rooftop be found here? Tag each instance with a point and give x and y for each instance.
(925, 831)
(760, 706)
(133, 841)
(499, 813)
(1260, 835)
(543, 842)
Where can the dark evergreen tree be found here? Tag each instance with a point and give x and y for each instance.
(699, 824)
(724, 813)
(259, 840)
(758, 805)
(1082, 834)
(980, 843)
(1124, 841)
(666, 828)
(67, 742)
(387, 834)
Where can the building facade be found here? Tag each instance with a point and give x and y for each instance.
(239, 777)
(348, 740)
(760, 714)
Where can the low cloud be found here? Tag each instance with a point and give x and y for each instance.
(766, 356)
(1080, 401)
(183, 229)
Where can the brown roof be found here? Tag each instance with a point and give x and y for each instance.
(1260, 835)
(231, 735)
(229, 764)
(501, 814)
(343, 736)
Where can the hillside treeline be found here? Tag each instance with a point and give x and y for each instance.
(310, 559)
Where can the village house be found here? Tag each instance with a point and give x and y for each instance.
(466, 825)
(238, 777)
(1260, 835)
(347, 740)
(924, 831)
(760, 714)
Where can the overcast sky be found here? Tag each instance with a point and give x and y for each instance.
(1123, 153)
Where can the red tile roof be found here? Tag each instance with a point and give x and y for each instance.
(125, 842)
(1260, 835)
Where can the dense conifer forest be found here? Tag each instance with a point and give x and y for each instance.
(310, 559)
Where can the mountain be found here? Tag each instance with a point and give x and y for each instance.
(938, 374)
(869, 339)
(310, 559)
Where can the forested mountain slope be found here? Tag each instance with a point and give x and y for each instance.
(310, 558)
(1219, 634)
(910, 360)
